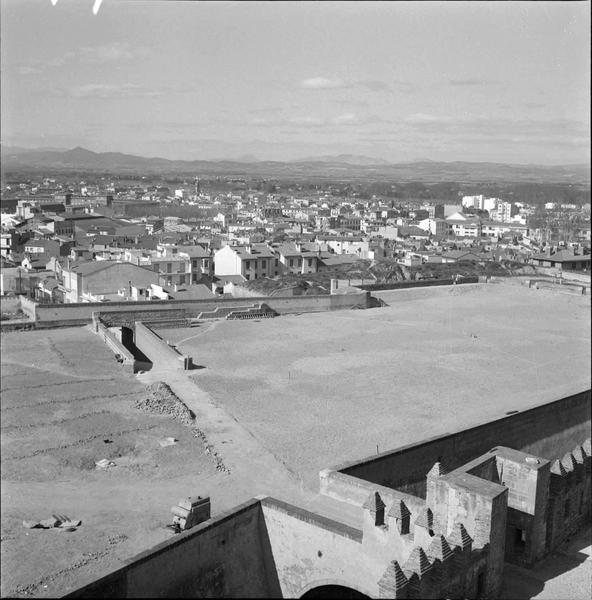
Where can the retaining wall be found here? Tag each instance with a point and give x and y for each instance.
(375, 287)
(548, 430)
(129, 362)
(224, 557)
(157, 349)
(56, 315)
(579, 276)
(29, 307)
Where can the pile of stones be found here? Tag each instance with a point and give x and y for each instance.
(162, 400)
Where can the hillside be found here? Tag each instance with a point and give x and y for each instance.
(343, 168)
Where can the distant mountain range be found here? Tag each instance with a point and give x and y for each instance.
(344, 167)
(350, 159)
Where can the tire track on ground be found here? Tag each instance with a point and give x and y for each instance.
(81, 442)
(41, 385)
(55, 422)
(70, 400)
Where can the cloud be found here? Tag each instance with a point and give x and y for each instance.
(108, 90)
(115, 52)
(303, 122)
(475, 82)
(92, 55)
(419, 118)
(323, 83)
(28, 70)
(375, 85)
(335, 83)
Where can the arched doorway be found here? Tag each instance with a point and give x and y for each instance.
(333, 591)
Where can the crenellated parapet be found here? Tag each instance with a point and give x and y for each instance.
(448, 568)
(569, 495)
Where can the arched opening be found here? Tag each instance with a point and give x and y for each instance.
(333, 591)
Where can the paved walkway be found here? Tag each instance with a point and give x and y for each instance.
(253, 468)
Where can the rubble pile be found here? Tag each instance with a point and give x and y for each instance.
(211, 451)
(162, 400)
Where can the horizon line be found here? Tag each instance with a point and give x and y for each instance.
(253, 158)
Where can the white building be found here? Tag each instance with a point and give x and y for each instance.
(251, 261)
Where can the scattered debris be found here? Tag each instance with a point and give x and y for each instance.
(164, 401)
(168, 441)
(105, 463)
(56, 521)
(108, 441)
(210, 451)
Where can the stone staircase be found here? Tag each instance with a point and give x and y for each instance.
(221, 312)
(260, 312)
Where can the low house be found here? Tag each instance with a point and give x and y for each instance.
(93, 281)
(454, 256)
(297, 259)
(564, 260)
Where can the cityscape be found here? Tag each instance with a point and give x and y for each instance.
(283, 315)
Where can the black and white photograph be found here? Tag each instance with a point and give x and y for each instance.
(295, 299)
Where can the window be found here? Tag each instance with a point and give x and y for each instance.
(182, 280)
(291, 262)
(194, 263)
(247, 264)
(248, 276)
(276, 262)
(264, 264)
(169, 267)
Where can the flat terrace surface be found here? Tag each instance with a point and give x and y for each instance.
(319, 389)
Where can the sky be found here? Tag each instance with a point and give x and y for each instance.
(399, 81)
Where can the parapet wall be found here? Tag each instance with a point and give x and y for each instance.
(548, 430)
(63, 315)
(157, 349)
(128, 360)
(375, 287)
(222, 558)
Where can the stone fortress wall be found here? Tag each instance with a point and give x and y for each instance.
(546, 430)
(451, 541)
